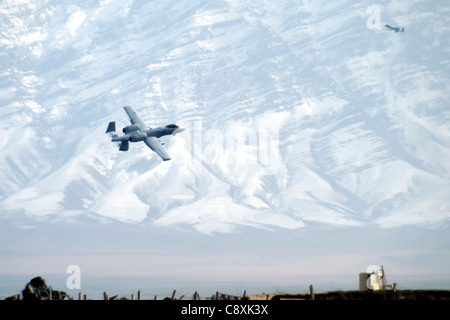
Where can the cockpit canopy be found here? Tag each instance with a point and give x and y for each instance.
(172, 126)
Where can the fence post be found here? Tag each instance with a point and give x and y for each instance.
(311, 291)
(139, 295)
(105, 296)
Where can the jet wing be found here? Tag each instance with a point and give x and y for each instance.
(135, 118)
(155, 145)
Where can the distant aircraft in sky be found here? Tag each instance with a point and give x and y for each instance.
(138, 131)
(396, 29)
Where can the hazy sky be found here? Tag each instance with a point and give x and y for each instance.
(126, 258)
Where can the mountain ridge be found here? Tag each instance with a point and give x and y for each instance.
(295, 113)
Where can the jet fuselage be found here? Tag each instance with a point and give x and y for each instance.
(137, 135)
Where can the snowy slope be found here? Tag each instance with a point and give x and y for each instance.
(296, 111)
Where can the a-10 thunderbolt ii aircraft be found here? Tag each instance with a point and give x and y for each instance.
(138, 131)
(396, 29)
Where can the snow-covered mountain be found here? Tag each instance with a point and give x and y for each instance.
(296, 111)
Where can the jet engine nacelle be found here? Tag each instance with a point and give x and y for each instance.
(138, 137)
(132, 128)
